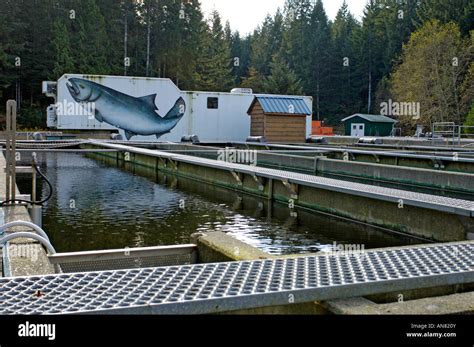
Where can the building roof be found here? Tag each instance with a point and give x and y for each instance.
(375, 118)
(281, 104)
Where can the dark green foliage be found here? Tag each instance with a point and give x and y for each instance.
(321, 61)
(282, 79)
(470, 121)
(344, 64)
(64, 61)
(460, 12)
(345, 99)
(31, 117)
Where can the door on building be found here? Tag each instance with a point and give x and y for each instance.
(358, 130)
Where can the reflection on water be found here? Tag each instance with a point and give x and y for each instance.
(99, 206)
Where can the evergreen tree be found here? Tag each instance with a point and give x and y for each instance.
(282, 79)
(240, 53)
(296, 46)
(386, 26)
(266, 42)
(92, 43)
(64, 62)
(345, 95)
(254, 81)
(168, 41)
(6, 49)
(31, 25)
(113, 13)
(456, 11)
(215, 67)
(193, 32)
(319, 84)
(177, 35)
(370, 42)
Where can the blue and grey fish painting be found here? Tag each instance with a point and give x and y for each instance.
(136, 116)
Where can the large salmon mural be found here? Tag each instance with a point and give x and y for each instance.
(136, 116)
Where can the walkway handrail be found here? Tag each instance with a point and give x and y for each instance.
(21, 223)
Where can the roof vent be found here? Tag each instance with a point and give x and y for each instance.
(242, 91)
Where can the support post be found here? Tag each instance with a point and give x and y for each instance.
(33, 185)
(10, 193)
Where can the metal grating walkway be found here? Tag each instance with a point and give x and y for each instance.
(383, 153)
(434, 202)
(211, 288)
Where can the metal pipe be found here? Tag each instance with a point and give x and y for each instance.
(33, 186)
(13, 152)
(52, 150)
(21, 223)
(10, 105)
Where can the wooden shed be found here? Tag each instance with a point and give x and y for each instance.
(279, 119)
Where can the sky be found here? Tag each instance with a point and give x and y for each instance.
(246, 15)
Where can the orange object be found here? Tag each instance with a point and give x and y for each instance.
(320, 130)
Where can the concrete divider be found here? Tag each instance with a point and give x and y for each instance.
(218, 247)
(429, 178)
(25, 257)
(423, 178)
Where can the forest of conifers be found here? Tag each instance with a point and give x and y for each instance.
(402, 50)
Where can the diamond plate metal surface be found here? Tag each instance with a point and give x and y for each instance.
(439, 203)
(211, 288)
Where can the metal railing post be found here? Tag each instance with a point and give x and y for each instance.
(10, 155)
(432, 133)
(7, 150)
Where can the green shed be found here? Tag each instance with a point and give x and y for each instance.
(360, 125)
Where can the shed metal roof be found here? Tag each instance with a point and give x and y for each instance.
(283, 105)
(375, 118)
